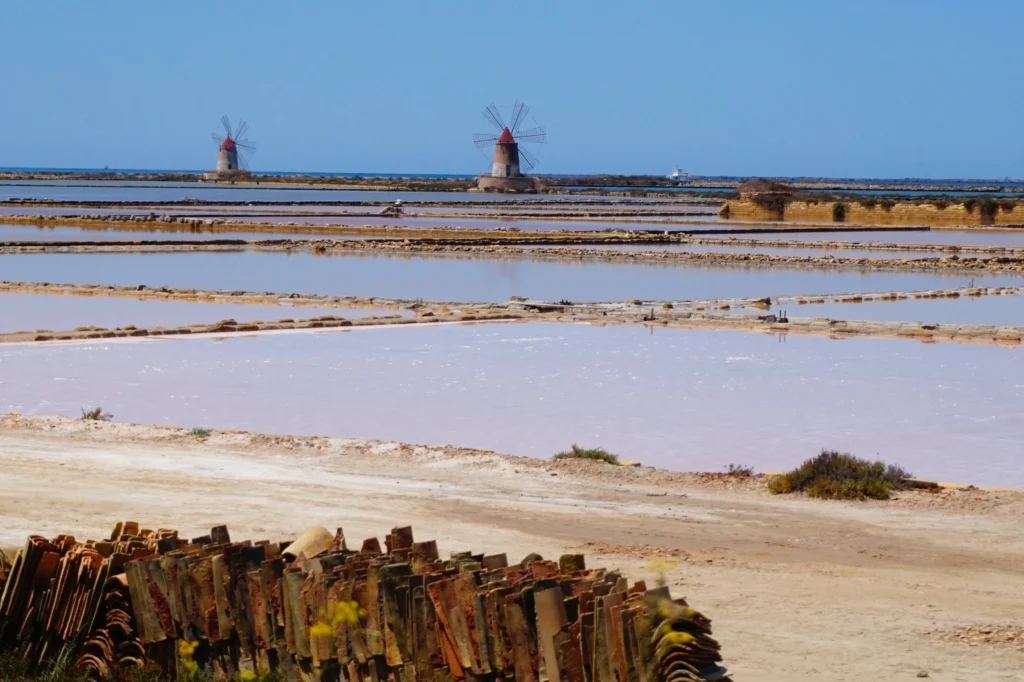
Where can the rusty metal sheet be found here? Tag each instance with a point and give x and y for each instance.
(396, 612)
(221, 589)
(464, 585)
(550, 614)
(524, 654)
(569, 655)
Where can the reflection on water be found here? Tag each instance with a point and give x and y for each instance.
(474, 221)
(766, 250)
(684, 400)
(32, 312)
(33, 233)
(1006, 311)
(459, 279)
(136, 191)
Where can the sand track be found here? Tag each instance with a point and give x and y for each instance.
(798, 589)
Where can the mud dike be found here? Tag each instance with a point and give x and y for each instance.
(314, 609)
(570, 249)
(715, 314)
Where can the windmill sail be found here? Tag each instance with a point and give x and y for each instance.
(234, 148)
(511, 161)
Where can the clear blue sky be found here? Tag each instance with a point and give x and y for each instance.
(874, 88)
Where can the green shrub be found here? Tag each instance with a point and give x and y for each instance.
(868, 202)
(599, 454)
(96, 414)
(739, 471)
(838, 212)
(1006, 205)
(969, 205)
(841, 476)
(940, 204)
(771, 202)
(886, 204)
(987, 208)
(199, 433)
(15, 668)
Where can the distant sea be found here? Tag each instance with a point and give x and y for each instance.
(20, 169)
(1006, 182)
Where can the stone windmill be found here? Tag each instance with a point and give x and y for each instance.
(234, 148)
(512, 161)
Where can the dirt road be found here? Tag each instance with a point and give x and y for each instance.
(797, 589)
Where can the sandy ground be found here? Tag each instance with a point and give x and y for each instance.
(797, 589)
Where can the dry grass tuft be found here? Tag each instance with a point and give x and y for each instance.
(841, 476)
(598, 454)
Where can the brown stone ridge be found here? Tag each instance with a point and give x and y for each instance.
(378, 203)
(836, 329)
(693, 314)
(1002, 263)
(767, 303)
(142, 292)
(828, 245)
(194, 224)
(231, 326)
(1007, 212)
(928, 333)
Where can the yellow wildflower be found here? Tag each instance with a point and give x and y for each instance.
(321, 629)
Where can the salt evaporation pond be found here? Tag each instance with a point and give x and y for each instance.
(32, 233)
(765, 250)
(679, 399)
(1004, 311)
(475, 221)
(965, 237)
(447, 278)
(92, 190)
(33, 312)
(467, 221)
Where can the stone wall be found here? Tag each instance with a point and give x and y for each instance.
(899, 214)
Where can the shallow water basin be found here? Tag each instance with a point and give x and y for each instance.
(34, 312)
(449, 278)
(678, 399)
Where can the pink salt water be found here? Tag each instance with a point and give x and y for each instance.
(683, 400)
(32, 312)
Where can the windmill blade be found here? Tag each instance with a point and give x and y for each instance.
(226, 122)
(482, 140)
(527, 161)
(538, 135)
(247, 145)
(217, 138)
(492, 114)
(243, 160)
(240, 132)
(519, 112)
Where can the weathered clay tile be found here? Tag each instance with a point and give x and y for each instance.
(315, 609)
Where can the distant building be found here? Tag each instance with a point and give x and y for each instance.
(227, 156)
(679, 176)
(232, 147)
(510, 159)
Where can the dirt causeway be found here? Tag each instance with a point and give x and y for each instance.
(797, 589)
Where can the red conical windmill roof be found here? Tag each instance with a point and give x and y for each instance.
(506, 137)
(228, 144)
